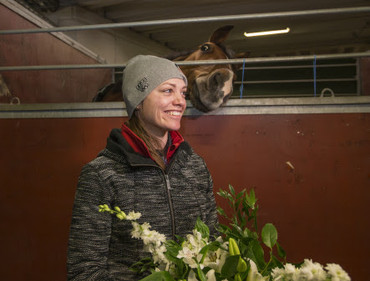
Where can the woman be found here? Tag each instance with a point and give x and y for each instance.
(146, 167)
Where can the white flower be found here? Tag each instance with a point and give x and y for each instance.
(191, 248)
(211, 275)
(133, 216)
(277, 273)
(253, 274)
(291, 272)
(288, 273)
(189, 256)
(336, 272)
(192, 276)
(138, 230)
(216, 260)
(312, 271)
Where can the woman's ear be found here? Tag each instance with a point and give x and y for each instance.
(140, 106)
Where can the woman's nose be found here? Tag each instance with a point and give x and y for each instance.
(180, 98)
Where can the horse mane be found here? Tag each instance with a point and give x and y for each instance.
(113, 87)
(175, 55)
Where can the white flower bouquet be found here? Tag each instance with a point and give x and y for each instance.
(237, 255)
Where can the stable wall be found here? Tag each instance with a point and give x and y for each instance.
(45, 49)
(320, 207)
(63, 85)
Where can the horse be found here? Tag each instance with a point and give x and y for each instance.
(209, 86)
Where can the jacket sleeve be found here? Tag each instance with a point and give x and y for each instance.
(90, 230)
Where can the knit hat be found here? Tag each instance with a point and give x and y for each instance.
(142, 75)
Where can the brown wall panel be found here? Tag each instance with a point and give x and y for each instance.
(51, 86)
(320, 208)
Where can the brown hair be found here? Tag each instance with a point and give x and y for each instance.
(152, 143)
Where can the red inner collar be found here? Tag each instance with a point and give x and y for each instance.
(140, 147)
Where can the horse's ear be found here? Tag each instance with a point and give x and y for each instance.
(220, 34)
(179, 58)
(240, 56)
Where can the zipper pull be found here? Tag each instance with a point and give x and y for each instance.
(167, 182)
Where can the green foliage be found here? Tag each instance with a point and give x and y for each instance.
(159, 276)
(202, 228)
(240, 255)
(143, 266)
(269, 235)
(242, 228)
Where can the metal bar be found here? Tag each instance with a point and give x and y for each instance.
(358, 77)
(233, 107)
(193, 20)
(295, 81)
(301, 95)
(294, 66)
(183, 63)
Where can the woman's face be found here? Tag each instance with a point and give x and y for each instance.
(162, 109)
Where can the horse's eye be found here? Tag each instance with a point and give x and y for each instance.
(205, 48)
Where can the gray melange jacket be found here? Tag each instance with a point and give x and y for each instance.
(100, 245)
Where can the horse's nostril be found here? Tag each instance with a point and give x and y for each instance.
(218, 78)
(215, 81)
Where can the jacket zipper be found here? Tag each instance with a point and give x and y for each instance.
(168, 191)
(168, 185)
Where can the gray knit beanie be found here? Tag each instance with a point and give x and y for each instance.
(142, 75)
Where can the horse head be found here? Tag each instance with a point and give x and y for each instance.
(209, 86)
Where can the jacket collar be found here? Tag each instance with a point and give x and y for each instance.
(125, 142)
(140, 147)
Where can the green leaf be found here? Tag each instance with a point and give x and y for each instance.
(223, 228)
(201, 274)
(173, 249)
(276, 263)
(202, 228)
(221, 212)
(214, 245)
(280, 250)
(222, 193)
(251, 199)
(256, 253)
(232, 190)
(229, 268)
(269, 235)
(240, 196)
(159, 276)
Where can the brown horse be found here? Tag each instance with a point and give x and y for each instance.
(209, 86)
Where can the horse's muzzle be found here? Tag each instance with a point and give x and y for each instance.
(213, 89)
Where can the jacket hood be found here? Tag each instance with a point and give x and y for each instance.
(120, 148)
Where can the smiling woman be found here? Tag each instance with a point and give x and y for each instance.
(147, 167)
(154, 91)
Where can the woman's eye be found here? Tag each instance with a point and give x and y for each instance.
(167, 90)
